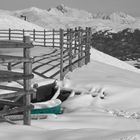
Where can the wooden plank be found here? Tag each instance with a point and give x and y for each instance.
(13, 76)
(11, 88)
(9, 103)
(9, 58)
(16, 110)
(14, 94)
(14, 44)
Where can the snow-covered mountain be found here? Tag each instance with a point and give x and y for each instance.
(64, 17)
(59, 17)
(122, 18)
(118, 17)
(70, 12)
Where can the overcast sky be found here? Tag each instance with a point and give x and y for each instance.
(129, 6)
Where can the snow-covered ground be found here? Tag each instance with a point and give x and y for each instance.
(108, 109)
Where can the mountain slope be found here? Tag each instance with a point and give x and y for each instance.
(7, 21)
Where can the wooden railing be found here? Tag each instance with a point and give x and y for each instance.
(74, 42)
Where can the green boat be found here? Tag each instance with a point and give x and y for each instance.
(48, 107)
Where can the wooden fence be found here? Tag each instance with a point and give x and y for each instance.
(11, 99)
(74, 42)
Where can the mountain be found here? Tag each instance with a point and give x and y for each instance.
(122, 18)
(70, 12)
(117, 17)
(101, 15)
(64, 17)
(59, 17)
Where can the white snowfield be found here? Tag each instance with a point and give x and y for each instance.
(108, 109)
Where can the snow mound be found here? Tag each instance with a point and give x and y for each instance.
(107, 59)
(7, 21)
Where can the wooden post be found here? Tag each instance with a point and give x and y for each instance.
(9, 66)
(53, 37)
(82, 43)
(27, 84)
(79, 47)
(23, 33)
(33, 34)
(68, 38)
(90, 36)
(75, 43)
(61, 53)
(86, 45)
(9, 34)
(70, 50)
(44, 37)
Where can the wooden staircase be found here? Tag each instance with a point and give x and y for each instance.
(10, 100)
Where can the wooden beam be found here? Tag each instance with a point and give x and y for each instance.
(13, 76)
(13, 59)
(14, 94)
(9, 103)
(15, 44)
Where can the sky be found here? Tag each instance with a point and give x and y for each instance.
(108, 6)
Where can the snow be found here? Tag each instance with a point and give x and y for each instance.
(7, 21)
(107, 59)
(108, 108)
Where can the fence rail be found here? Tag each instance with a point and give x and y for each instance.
(76, 42)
